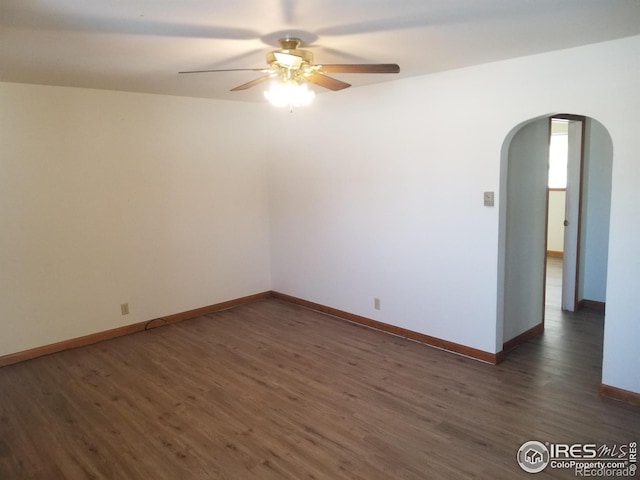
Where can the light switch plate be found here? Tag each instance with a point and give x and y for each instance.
(488, 199)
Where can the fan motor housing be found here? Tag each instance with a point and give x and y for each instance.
(290, 47)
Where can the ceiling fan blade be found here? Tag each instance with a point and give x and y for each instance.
(252, 83)
(113, 21)
(361, 68)
(288, 8)
(230, 70)
(327, 82)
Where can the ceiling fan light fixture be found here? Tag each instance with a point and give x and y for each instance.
(294, 67)
(289, 93)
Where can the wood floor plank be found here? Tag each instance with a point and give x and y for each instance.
(271, 390)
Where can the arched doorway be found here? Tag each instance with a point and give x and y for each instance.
(523, 225)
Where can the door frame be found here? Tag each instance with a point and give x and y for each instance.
(573, 240)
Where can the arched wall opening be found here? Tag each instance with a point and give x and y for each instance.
(523, 225)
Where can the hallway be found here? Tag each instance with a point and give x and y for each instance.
(553, 284)
(575, 337)
(567, 356)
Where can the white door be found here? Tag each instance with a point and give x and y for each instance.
(572, 215)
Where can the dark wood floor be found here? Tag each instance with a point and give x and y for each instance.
(274, 391)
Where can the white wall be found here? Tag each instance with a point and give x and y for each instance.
(379, 194)
(596, 205)
(109, 197)
(389, 204)
(526, 214)
(555, 228)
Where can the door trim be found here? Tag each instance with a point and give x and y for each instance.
(583, 120)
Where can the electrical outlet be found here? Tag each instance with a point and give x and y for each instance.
(124, 308)
(376, 303)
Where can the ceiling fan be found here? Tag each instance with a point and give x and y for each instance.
(291, 64)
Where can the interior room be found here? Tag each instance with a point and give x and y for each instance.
(400, 223)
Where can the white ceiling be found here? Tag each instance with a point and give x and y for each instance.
(140, 45)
